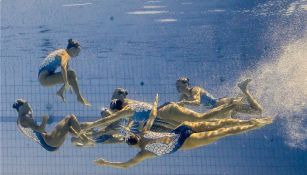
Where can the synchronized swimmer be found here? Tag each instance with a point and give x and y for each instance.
(155, 130)
(198, 96)
(188, 135)
(49, 141)
(48, 76)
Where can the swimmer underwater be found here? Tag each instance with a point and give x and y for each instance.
(49, 141)
(60, 58)
(188, 135)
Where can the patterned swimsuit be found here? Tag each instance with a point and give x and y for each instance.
(208, 100)
(51, 63)
(35, 136)
(177, 137)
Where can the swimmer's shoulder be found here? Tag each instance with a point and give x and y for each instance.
(60, 53)
(24, 120)
(198, 89)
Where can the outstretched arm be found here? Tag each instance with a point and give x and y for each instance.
(126, 112)
(140, 157)
(152, 116)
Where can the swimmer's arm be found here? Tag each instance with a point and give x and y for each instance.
(196, 93)
(124, 113)
(140, 157)
(152, 116)
(29, 122)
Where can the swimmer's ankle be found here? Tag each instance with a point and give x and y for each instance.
(83, 101)
(243, 85)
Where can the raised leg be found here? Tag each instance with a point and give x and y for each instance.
(178, 113)
(216, 124)
(72, 78)
(205, 138)
(69, 124)
(254, 107)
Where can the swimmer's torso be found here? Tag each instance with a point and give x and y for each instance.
(165, 143)
(160, 143)
(53, 61)
(206, 99)
(34, 135)
(141, 110)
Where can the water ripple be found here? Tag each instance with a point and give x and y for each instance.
(152, 12)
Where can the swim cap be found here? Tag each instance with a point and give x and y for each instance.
(116, 104)
(72, 43)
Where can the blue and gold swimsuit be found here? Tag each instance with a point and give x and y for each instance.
(35, 136)
(208, 100)
(51, 62)
(177, 136)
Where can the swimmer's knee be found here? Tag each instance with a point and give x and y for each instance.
(43, 81)
(71, 74)
(258, 111)
(72, 117)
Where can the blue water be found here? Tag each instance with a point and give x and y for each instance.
(145, 46)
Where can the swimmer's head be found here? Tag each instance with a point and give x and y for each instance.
(132, 140)
(120, 94)
(73, 47)
(22, 106)
(104, 112)
(182, 84)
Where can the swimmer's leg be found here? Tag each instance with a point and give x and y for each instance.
(72, 79)
(255, 107)
(47, 79)
(216, 124)
(208, 137)
(69, 124)
(178, 113)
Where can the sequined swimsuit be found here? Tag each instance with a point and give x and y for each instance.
(177, 137)
(51, 62)
(35, 136)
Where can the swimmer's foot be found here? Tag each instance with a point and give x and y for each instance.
(61, 95)
(262, 121)
(242, 85)
(83, 101)
(87, 142)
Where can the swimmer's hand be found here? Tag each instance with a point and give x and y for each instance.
(181, 103)
(100, 162)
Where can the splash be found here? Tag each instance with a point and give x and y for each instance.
(281, 86)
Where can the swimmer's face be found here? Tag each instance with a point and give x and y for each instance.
(22, 106)
(74, 51)
(104, 112)
(120, 93)
(181, 86)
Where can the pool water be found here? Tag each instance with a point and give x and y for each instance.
(144, 46)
